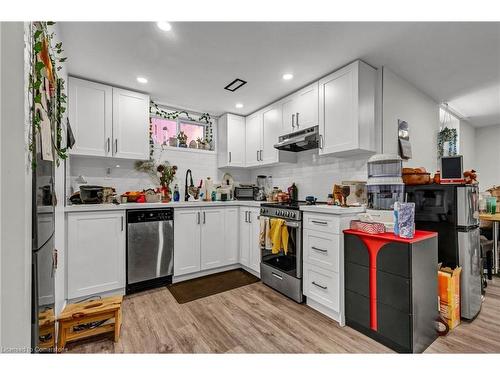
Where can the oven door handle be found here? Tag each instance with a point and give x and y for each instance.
(279, 277)
(290, 224)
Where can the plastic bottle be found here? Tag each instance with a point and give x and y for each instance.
(177, 196)
(396, 218)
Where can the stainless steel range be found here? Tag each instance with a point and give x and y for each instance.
(281, 271)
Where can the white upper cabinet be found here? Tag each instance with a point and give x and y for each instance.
(289, 107)
(130, 124)
(253, 139)
(231, 141)
(107, 121)
(90, 115)
(272, 128)
(308, 110)
(347, 110)
(300, 110)
(262, 131)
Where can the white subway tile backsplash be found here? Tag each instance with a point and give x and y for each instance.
(126, 178)
(315, 175)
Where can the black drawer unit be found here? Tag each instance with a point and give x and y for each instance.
(400, 311)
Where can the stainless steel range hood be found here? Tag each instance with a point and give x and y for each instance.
(301, 140)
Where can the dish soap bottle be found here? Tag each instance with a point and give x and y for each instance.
(177, 196)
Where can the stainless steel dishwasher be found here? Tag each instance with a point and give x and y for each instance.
(150, 248)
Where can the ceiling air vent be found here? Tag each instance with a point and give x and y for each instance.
(235, 85)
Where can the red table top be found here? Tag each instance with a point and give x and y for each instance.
(420, 235)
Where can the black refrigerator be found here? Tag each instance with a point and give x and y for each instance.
(43, 260)
(453, 211)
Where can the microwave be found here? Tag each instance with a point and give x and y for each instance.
(245, 192)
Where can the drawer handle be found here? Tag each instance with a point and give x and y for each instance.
(279, 277)
(318, 249)
(319, 222)
(319, 285)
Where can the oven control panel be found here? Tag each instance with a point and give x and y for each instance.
(282, 213)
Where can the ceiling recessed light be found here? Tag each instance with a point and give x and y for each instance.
(164, 25)
(142, 80)
(287, 76)
(239, 105)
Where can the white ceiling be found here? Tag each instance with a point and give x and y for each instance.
(188, 67)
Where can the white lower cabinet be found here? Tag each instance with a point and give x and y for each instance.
(204, 239)
(95, 253)
(323, 259)
(249, 238)
(212, 238)
(322, 286)
(231, 232)
(187, 235)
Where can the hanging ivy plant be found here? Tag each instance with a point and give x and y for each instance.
(47, 88)
(447, 135)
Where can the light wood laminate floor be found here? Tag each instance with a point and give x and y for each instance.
(256, 319)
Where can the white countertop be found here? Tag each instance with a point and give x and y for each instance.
(333, 210)
(132, 206)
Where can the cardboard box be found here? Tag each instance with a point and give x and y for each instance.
(449, 295)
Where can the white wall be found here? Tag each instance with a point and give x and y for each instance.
(402, 101)
(487, 159)
(15, 196)
(467, 144)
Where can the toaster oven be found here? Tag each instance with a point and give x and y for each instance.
(245, 192)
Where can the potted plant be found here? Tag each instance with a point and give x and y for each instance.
(166, 174)
(201, 143)
(163, 175)
(182, 138)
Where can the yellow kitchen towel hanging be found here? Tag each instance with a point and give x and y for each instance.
(279, 236)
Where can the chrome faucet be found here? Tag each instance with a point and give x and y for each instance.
(186, 189)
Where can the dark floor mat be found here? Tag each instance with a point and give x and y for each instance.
(190, 290)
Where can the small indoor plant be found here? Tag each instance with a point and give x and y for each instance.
(202, 144)
(163, 174)
(182, 138)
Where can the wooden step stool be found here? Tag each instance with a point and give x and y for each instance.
(109, 309)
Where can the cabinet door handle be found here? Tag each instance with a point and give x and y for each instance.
(198, 222)
(230, 156)
(318, 249)
(297, 122)
(246, 216)
(321, 141)
(319, 222)
(293, 120)
(279, 277)
(109, 145)
(116, 146)
(122, 222)
(260, 154)
(204, 218)
(249, 217)
(319, 285)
